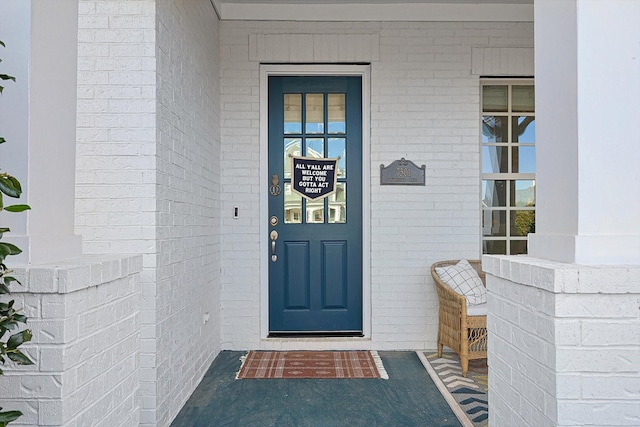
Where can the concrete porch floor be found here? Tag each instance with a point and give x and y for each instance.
(407, 398)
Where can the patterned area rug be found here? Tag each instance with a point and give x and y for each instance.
(311, 364)
(468, 396)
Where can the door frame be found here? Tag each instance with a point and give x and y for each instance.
(363, 71)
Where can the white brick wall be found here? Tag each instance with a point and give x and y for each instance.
(564, 346)
(424, 107)
(85, 318)
(188, 234)
(148, 176)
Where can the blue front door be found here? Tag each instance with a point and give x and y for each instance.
(315, 265)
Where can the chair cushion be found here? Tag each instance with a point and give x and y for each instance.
(464, 279)
(477, 309)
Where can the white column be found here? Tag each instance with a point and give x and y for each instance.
(588, 115)
(38, 119)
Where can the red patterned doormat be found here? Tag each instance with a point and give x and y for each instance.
(311, 364)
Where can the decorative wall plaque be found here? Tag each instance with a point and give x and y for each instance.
(314, 178)
(402, 172)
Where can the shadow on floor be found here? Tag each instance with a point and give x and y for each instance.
(407, 398)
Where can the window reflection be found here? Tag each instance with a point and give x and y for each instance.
(518, 247)
(523, 159)
(494, 98)
(523, 222)
(494, 247)
(337, 149)
(315, 211)
(315, 147)
(524, 129)
(292, 206)
(337, 113)
(338, 204)
(523, 193)
(292, 113)
(494, 223)
(314, 103)
(495, 159)
(292, 147)
(494, 193)
(495, 129)
(523, 98)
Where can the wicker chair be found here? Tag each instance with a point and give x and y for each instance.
(466, 335)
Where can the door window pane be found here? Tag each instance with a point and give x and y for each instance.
(495, 98)
(495, 159)
(338, 204)
(292, 206)
(495, 129)
(315, 113)
(337, 113)
(523, 98)
(315, 147)
(292, 147)
(337, 149)
(315, 211)
(292, 113)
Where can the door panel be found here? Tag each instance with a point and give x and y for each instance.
(335, 283)
(315, 269)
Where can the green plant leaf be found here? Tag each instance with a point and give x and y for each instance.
(2, 44)
(4, 289)
(2, 139)
(16, 340)
(17, 208)
(7, 186)
(20, 358)
(9, 416)
(7, 77)
(20, 318)
(9, 248)
(15, 182)
(9, 279)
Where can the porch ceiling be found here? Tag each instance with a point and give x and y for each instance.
(375, 10)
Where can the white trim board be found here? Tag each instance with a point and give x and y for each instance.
(424, 11)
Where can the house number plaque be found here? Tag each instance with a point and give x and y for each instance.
(402, 172)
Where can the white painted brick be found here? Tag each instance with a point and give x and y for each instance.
(595, 351)
(579, 413)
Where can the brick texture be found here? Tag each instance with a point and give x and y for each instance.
(188, 201)
(148, 177)
(86, 344)
(563, 352)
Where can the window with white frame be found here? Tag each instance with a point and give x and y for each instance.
(508, 156)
